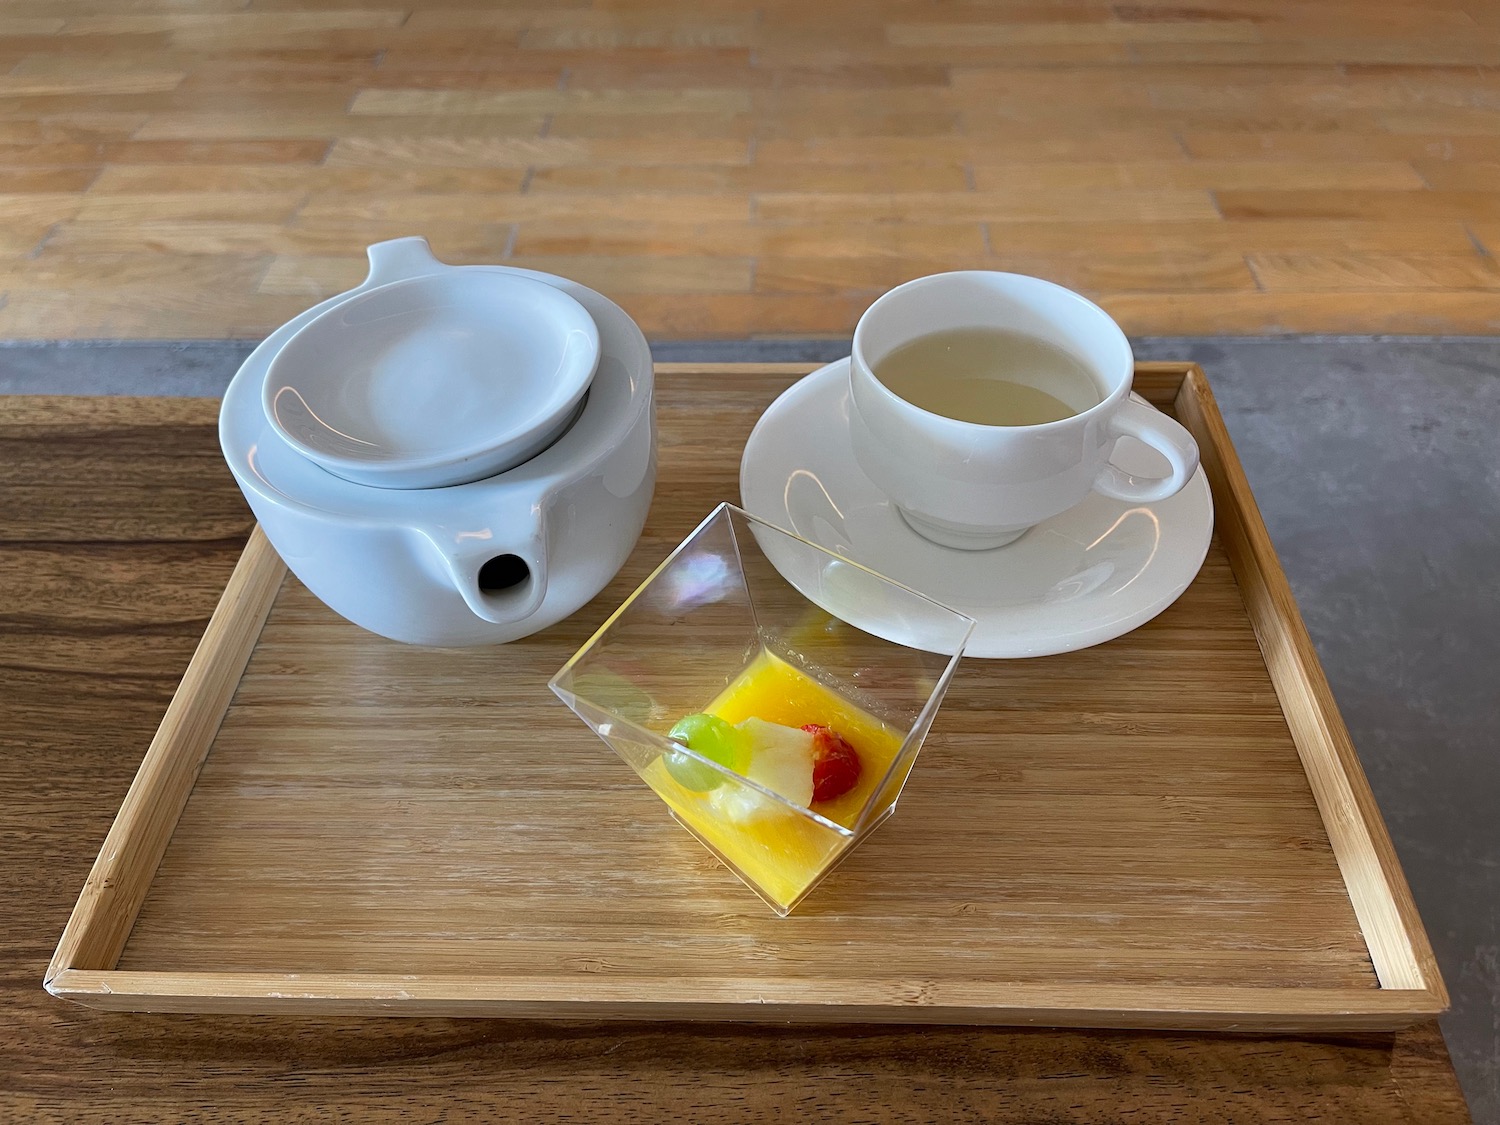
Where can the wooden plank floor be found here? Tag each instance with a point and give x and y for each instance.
(726, 168)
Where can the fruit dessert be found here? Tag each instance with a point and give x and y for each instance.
(794, 737)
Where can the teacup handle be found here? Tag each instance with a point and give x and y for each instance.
(1167, 437)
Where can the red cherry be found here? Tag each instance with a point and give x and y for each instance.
(836, 765)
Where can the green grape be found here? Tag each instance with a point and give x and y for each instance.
(713, 738)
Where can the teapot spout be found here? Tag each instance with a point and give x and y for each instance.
(500, 581)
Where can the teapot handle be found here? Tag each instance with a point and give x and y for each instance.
(398, 259)
(500, 582)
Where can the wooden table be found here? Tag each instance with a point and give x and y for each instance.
(210, 169)
(119, 525)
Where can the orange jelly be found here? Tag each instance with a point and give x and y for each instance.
(784, 852)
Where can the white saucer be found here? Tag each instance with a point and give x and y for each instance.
(434, 381)
(267, 464)
(1081, 578)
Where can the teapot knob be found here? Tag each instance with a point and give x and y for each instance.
(398, 259)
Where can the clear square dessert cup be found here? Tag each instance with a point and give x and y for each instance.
(718, 627)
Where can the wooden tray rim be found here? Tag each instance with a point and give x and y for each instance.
(1409, 985)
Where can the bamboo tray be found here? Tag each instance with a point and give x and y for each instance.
(1171, 830)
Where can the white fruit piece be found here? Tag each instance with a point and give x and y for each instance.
(781, 760)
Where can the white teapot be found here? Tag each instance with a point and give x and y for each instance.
(569, 480)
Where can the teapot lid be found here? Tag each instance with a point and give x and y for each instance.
(434, 380)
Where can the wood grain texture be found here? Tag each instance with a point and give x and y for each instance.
(659, 130)
(429, 831)
(1398, 945)
(117, 886)
(130, 500)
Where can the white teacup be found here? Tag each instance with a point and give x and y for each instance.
(975, 486)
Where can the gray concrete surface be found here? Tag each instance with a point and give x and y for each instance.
(1377, 464)
(1377, 467)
